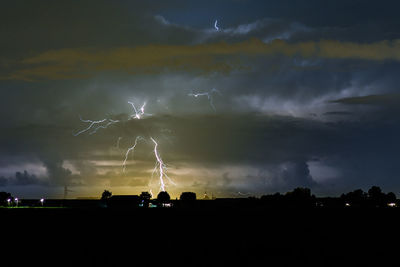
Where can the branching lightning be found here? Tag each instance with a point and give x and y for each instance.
(209, 96)
(110, 121)
(160, 167)
(93, 123)
(139, 113)
(131, 149)
(96, 125)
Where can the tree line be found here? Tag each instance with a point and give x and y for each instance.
(300, 196)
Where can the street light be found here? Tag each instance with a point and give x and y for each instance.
(8, 201)
(42, 201)
(16, 201)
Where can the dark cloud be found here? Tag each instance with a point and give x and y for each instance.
(25, 178)
(337, 113)
(22, 179)
(386, 100)
(280, 146)
(57, 174)
(283, 177)
(3, 181)
(29, 27)
(301, 89)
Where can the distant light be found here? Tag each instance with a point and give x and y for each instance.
(16, 199)
(8, 200)
(347, 204)
(42, 200)
(392, 204)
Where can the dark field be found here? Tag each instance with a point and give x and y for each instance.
(149, 237)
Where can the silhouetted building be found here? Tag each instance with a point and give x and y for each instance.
(188, 200)
(188, 196)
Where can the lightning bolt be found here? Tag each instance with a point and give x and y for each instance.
(132, 148)
(209, 96)
(138, 112)
(110, 121)
(160, 167)
(94, 123)
(215, 25)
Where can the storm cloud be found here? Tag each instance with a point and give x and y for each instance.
(298, 101)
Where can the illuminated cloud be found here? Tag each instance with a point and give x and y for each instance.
(205, 58)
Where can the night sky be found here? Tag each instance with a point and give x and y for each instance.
(300, 93)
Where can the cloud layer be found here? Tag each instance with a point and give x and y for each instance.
(299, 102)
(205, 58)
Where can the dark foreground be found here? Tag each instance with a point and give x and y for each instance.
(149, 237)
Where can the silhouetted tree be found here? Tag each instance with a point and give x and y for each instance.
(374, 192)
(145, 199)
(188, 196)
(357, 197)
(106, 195)
(300, 197)
(376, 197)
(391, 197)
(163, 197)
(274, 200)
(145, 195)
